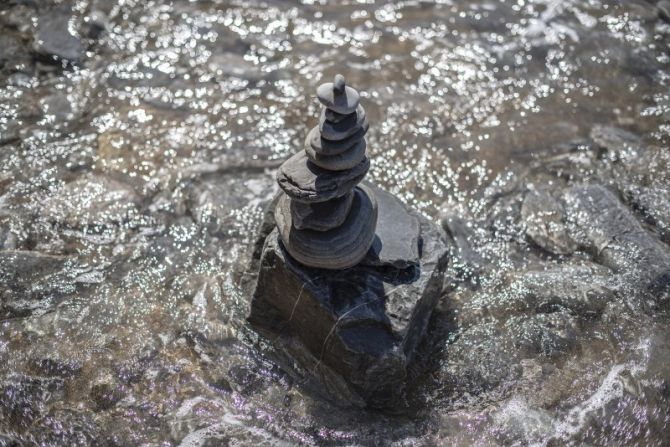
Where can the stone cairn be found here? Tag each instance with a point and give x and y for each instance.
(324, 219)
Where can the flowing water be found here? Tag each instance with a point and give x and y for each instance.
(134, 175)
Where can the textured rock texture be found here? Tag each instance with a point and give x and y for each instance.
(362, 324)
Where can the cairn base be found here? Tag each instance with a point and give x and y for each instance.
(362, 324)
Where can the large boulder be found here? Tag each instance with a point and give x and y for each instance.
(363, 323)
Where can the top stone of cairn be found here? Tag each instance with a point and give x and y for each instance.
(338, 97)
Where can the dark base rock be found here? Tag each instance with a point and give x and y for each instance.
(361, 324)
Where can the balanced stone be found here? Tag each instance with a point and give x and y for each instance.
(340, 162)
(398, 242)
(338, 248)
(304, 181)
(338, 97)
(320, 216)
(343, 129)
(327, 147)
(334, 117)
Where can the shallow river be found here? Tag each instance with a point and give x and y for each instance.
(138, 145)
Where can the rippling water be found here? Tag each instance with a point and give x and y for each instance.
(132, 182)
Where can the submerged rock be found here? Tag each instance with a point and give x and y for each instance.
(92, 201)
(602, 224)
(545, 225)
(54, 40)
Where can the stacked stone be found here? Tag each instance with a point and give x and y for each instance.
(324, 219)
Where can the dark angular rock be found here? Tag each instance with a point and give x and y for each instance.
(340, 162)
(304, 181)
(317, 216)
(54, 40)
(342, 130)
(327, 147)
(362, 323)
(338, 248)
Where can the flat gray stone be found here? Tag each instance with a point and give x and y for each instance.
(54, 40)
(320, 216)
(339, 162)
(345, 103)
(324, 146)
(304, 181)
(398, 233)
(345, 128)
(361, 325)
(340, 248)
(333, 117)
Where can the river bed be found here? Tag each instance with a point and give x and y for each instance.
(138, 146)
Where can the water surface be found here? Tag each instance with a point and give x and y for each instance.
(132, 182)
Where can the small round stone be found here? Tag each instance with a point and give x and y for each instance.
(320, 216)
(340, 248)
(344, 103)
(345, 128)
(328, 147)
(304, 181)
(346, 160)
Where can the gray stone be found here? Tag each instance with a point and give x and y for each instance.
(345, 128)
(583, 290)
(398, 234)
(362, 324)
(619, 141)
(317, 216)
(324, 146)
(304, 181)
(544, 217)
(600, 223)
(339, 248)
(654, 205)
(92, 201)
(340, 162)
(54, 40)
(333, 117)
(664, 9)
(344, 103)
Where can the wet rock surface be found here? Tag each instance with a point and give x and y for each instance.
(363, 323)
(122, 306)
(54, 40)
